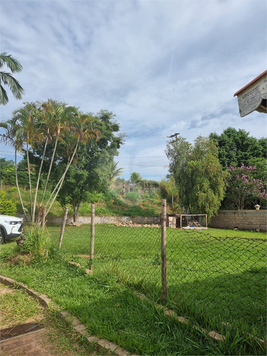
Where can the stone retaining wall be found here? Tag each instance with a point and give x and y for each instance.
(226, 219)
(240, 219)
(110, 220)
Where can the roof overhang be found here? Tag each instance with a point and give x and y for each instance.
(253, 96)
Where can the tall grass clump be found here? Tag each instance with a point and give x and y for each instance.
(36, 241)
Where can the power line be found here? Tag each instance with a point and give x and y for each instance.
(145, 166)
(114, 157)
(143, 157)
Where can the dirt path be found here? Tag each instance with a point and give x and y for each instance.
(48, 341)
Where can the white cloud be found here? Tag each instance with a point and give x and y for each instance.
(161, 66)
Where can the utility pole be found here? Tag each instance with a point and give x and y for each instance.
(174, 135)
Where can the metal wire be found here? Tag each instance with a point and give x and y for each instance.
(216, 280)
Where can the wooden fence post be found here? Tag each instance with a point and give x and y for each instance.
(163, 250)
(63, 227)
(92, 231)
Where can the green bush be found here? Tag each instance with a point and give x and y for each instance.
(36, 242)
(95, 197)
(132, 196)
(7, 206)
(13, 190)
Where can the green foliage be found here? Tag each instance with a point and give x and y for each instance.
(23, 177)
(6, 60)
(236, 147)
(7, 206)
(169, 191)
(135, 178)
(243, 190)
(36, 242)
(49, 134)
(198, 174)
(94, 168)
(261, 168)
(132, 196)
(7, 172)
(95, 197)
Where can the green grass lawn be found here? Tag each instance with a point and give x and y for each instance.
(212, 280)
(215, 280)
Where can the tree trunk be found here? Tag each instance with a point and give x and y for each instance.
(63, 227)
(49, 171)
(38, 182)
(29, 176)
(77, 211)
(17, 185)
(60, 182)
(74, 210)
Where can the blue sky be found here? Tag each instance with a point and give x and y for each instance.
(161, 66)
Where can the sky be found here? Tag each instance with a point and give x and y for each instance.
(160, 66)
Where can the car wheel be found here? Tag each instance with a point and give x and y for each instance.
(2, 236)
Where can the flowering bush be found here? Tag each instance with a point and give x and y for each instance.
(243, 190)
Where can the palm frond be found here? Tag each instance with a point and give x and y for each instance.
(3, 96)
(10, 62)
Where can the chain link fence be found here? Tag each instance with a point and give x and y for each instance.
(217, 281)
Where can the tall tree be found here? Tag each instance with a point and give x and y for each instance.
(83, 133)
(93, 168)
(6, 60)
(14, 135)
(26, 117)
(31, 130)
(169, 191)
(198, 174)
(236, 147)
(135, 178)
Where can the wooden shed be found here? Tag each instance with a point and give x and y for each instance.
(253, 96)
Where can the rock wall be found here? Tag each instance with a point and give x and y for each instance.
(110, 220)
(226, 219)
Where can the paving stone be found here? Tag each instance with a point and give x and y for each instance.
(79, 327)
(216, 336)
(107, 345)
(65, 314)
(121, 352)
(92, 338)
(75, 321)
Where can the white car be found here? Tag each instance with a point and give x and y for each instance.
(10, 227)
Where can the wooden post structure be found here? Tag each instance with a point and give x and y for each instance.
(92, 231)
(163, 250)
(63, 227)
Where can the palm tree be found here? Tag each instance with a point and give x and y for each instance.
(26, 116)
(114, 170)
(81, 128)
(8, 79)
(35, 126)
(59, 118)
(15, 136)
